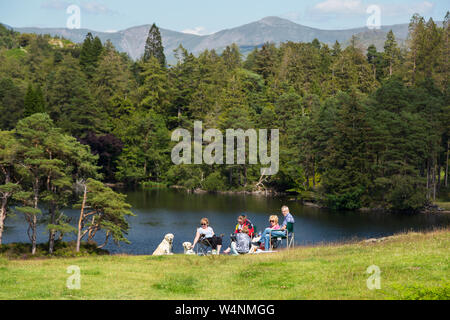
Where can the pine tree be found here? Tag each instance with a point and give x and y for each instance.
(376, 60)
(415, 42)
(71, 104)
(11, 103)
(34, 101)
(29, 102)
(232, 56)
(391, 52)
(154, 47)
(346, 176)
(90, 54)
(154, 93)
(102, 209)
(8, 185)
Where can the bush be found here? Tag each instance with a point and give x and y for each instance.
(214, 182)
(62, 249)
(406, 194)
(420, 292)
(350, 200)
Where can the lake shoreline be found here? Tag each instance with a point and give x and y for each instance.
(431, 209)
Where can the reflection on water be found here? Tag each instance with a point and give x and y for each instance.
(164, 211)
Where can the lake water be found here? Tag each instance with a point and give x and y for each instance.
(164, 211)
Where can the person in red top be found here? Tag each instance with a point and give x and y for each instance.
(243, 221)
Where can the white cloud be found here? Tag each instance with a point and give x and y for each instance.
(91, 7)
(339, 7)
(423, 8)
(95, 8)
(358, 8)
(199, 31)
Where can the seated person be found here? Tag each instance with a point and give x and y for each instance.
(206, 232)
(244, 221)
(240, 243)
(287, 217)
(274, 230)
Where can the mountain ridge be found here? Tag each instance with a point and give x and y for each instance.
(269, 29)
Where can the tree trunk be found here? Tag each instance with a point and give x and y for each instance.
(438, 177)
(4, 206)
(80, 221)
(446, 166)
(314, 172)
(434, 182)
(428, 179)
(51, 232)
(2, 218)
(33, 235)
(34, 220)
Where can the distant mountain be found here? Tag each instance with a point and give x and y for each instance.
(269, 29)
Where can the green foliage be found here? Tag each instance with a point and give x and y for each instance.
(107, 211)
(90, 54)
(11, 103)
(356, 128)
(214, 182)
(421, 292)
(188, 176)
(349, 200)
(153, 46)
(61, 249)
(8, 37)
(34, 101)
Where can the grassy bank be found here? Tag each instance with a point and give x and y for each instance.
(413, 266)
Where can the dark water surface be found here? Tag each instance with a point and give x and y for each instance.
(164, 211)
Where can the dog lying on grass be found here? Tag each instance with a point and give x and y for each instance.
(165, 247)
(188, 248)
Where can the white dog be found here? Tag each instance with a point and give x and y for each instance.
(165, 247)
(188, 248)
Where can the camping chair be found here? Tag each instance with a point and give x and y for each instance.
(203, 247)
(255, 232)
(275, 242)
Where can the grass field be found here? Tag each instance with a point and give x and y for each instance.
(443, 204)
(413, 266)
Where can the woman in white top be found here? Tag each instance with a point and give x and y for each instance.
(205, 231)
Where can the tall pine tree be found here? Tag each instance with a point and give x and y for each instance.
(154, 47)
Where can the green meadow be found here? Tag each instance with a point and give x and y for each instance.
(412, 265)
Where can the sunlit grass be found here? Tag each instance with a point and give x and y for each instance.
(413, 266)
(443, 204)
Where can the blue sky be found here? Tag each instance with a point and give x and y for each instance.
(208, 16)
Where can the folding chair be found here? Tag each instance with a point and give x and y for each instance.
(203, 247)
(289, 236)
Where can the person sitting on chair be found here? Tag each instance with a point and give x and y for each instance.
(243, 221)
(240, 242)
(281, 232)
(273, 230)
(287, 217)
(207, 233)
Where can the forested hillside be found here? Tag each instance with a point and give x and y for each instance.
(356, 129)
